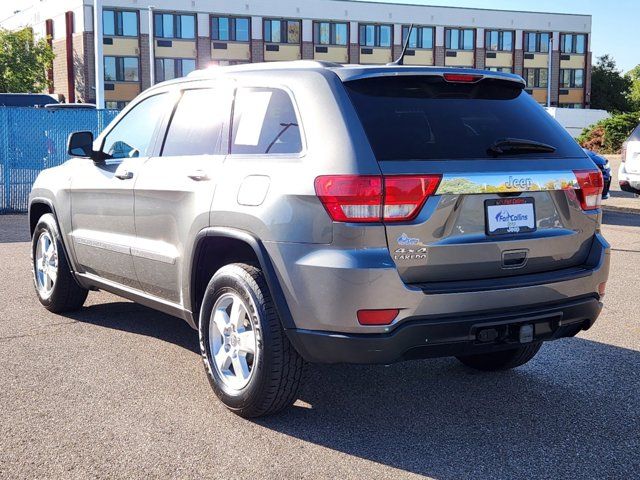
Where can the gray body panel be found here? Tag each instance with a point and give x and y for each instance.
(136, 237)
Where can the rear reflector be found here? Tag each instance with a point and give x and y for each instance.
(377, 317)
(602, 288)
(461, 77)
(591, 185)
(373, 198)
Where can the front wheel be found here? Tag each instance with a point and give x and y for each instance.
(503, 359)
(57, 290)
(250, 364)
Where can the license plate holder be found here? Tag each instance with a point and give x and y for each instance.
(509, 216)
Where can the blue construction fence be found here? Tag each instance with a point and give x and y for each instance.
(32, 139)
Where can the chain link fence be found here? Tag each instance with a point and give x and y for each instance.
(32, 139)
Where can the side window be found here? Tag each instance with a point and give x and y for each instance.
(131, 137)
(264, 121)
(196, 126)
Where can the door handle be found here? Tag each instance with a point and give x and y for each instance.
(124, 175)
(198, 175)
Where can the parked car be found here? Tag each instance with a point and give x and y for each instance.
(28, 99)
(629, 172)
(604, 166)
(308, 211)
(65, 106)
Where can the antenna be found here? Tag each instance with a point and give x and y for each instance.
(400, 60)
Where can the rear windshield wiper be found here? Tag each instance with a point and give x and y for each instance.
(506, 146)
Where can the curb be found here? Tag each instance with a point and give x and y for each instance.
(616, 209)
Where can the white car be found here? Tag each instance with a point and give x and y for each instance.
(629, 173)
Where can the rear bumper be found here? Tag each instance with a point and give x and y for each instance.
(629, 182)
(426, 337)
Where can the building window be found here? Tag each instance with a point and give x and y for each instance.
(170, 68)
(330, 33)
(421, 37)
(230, 29)
(573, 43)
(536, 77)
(499, 41)
(571, 78)
(458, 39)
(170, 25)
(500, 69)
(121, 69)
(115, 104)
(117, 23)
(570, 105)
(282, 31)
(537, 42)
(375, 35)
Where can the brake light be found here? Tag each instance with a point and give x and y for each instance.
(374, 198)
(591, 185)
(623, 152)
(461, 77)
(404, 196)
(377, 317)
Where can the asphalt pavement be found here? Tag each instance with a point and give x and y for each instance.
(117, 390)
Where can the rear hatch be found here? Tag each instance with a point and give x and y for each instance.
(500, 178)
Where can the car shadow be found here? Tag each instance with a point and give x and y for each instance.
(621, 218)
(572, 412)
(134, 318)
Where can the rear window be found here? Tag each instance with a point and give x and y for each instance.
(635, 135)
(424, 117)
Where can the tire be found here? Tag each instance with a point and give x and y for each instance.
(501, 360)
(61, 292)
(249, 384)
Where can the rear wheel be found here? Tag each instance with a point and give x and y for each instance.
(250, 364)
(57, 290)
(501, 360)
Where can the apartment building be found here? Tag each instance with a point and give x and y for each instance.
(143, 44)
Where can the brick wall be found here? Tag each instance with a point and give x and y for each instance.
(84, 67)
(145, 72)
(60, 68)
(354, 53)
(439, 56)
(257, 51)
(307, 50)
(518, 62)
(480, 56)
(203, 46)
(555, 78)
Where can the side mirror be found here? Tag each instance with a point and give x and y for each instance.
(80, 144)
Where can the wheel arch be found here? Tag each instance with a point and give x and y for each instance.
(231, 246)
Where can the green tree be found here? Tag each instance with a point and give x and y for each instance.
(634, 92)
(609, 88)
(24, 62)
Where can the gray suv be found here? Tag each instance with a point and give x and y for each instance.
(308, 211)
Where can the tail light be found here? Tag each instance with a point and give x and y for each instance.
(623, 152)
(591, 185)
(374, 198)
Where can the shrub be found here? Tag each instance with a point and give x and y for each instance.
(607, 135)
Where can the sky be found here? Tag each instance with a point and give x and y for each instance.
(615, 29)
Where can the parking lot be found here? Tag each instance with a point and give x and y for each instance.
(117, 390)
